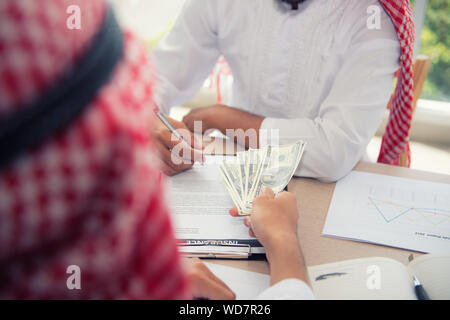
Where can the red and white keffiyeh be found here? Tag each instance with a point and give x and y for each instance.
(91, 195)
(396, 137)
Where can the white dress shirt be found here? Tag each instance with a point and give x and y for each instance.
(319, 74)
(289, 289)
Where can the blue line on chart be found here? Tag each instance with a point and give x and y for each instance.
(401, 214)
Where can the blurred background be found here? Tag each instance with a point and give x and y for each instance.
(430, 133)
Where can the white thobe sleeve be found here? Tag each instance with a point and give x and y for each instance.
(289, 289)
(349, 115)
(185, 57)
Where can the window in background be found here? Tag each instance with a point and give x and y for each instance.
(433, 39)
(149, 19)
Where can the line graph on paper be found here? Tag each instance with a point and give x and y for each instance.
(397, 212)
(399, 205)
(392, 212)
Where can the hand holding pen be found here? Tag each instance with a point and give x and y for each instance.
(176, 144)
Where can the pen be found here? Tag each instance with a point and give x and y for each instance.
(169, 126)
(420, 291)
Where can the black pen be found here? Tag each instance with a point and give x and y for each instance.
(420, 291)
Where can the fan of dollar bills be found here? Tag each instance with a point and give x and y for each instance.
(250, 171)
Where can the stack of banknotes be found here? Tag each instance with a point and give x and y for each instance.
(250, 171)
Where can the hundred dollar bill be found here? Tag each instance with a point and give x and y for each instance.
(263, 157)
(242, 163)
(252, 170)
(232, 192)
(284, 161)
(233, 172)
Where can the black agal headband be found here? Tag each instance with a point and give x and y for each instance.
(293, 3)
(61, 105)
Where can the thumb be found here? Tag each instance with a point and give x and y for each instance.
(268, 192)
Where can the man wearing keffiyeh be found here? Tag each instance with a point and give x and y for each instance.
(309, 70)
(81, 209)
(85, 193)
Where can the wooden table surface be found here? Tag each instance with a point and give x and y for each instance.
(314, 198)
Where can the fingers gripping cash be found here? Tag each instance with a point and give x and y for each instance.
(249, 172)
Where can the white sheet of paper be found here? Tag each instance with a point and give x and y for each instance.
(398, 212)
(245, 284)
(200, 204)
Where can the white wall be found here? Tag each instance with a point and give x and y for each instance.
(147, 18)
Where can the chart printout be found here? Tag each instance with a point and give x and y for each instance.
(392, 211)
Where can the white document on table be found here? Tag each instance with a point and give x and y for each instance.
(392, 211)
(200, 204)
(245, 284)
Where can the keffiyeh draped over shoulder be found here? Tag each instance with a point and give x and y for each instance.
(395, 139)
(90, 195)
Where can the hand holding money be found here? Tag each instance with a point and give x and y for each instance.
(274, 221)
(246, 174)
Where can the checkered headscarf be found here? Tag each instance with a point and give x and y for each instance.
(89, 196)
(395, 139)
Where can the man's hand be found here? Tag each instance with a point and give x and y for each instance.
(176, 155)
(225, 118)
(205, 284)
